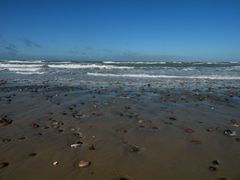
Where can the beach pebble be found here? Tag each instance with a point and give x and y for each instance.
(35, 125)
(123, 178)
(134, 148)
(55, 163)
(229, 132)
(76, 145)
(92, 147)
(214, 166)
(189, 130)
(216, 162)
(83, 164)
(6, 140)
(172, 118)
(4, 121)
(3, 164)
(32, 154)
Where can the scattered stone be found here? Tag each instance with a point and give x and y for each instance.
(55, 163)
(229, 132)
(216, 162)
(194, 141)
(64, 113)
(214, 166)
(209, 130)
(32, 154)
(123, 178)
(172, 118)
(92, 147)
(4, 121)
(189, 130)
(78, 134)
(3, 165)
(76, 145)
(83, 164)
(55, 124)
(35, 125)
(141, 123)
(6, 140)
(134, 148)
(60, 130)
(22, 138)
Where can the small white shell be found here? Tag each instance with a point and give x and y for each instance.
(83, 164)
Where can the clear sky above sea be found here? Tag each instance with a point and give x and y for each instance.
(120, 29)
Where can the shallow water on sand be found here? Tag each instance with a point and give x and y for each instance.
(133, 129)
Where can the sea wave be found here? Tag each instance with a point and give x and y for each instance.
(26, 62)
(20, 65)
(135, 62)
(87, 66)
(28, 73)
(165, 76)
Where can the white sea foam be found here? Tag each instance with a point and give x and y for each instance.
(166, 76)
(8, 65)
(134, 62)
(27, 72)
(25, 62)
(86, 66)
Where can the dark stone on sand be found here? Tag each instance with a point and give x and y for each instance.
(123, 178)
(92, 147)
(6, 140)
(64, 113)
(229, 132)
(35, 125)
(216, 162)
(4, 121)
(60, 130)
(134, 148)
(3, 165)
(209, 130)
(189, 130)
(238, 139)
(32, 154)
(22, 138)
(172, 118)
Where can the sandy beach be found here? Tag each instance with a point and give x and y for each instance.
(118, 131)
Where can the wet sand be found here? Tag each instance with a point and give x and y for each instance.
(121, 133)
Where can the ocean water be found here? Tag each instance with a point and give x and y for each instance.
(160, 72)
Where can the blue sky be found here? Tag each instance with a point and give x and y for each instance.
(121, 30)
